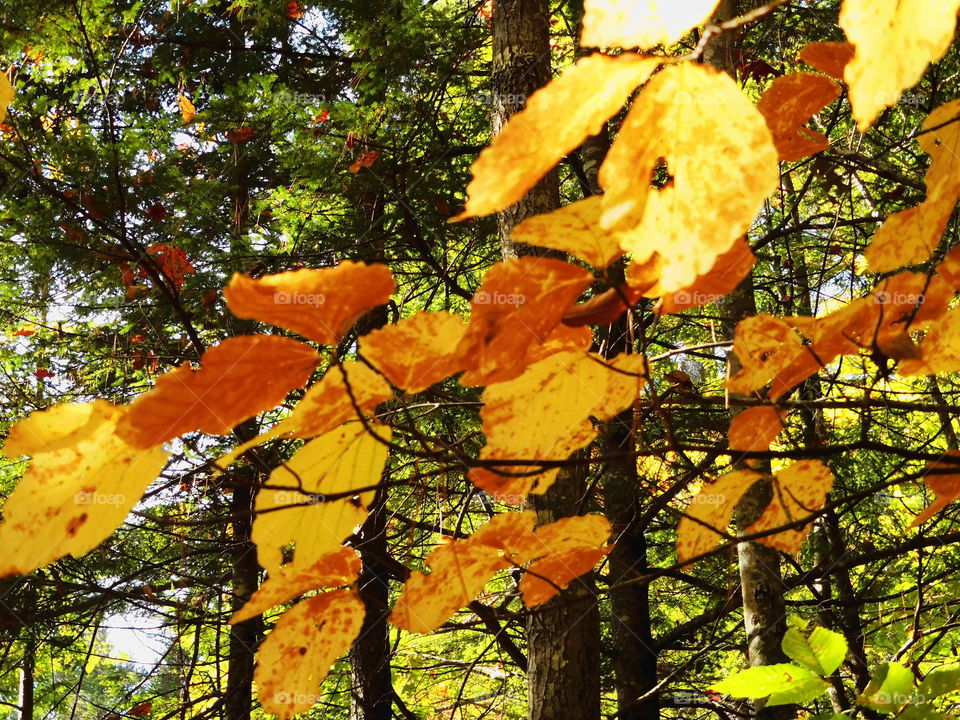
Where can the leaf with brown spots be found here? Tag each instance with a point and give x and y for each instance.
(755, 428)
(944, 484)
(574, 229)
(83, 480)
(297, 654)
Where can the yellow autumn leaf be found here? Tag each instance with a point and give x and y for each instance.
(187, 109)
(319, 496)
(729, 269)
(694, 129)
(83, 480)
(297, 654)
(944, 484)
(798, 492)
(513, 313)
(894, 42)
(336, 569)
(788, 104)
(555, 121)
(574, 229)
(418, 351)
(325, 406)
(7, 94)
(939, 349)
(642, 24)
(755, 428)
(909, 237)
(707, 517)
(321, 305)
(562, 392)
(229, 387)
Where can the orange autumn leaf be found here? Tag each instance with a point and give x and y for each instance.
(297, 654)
(629, 24)
(798, 492)
(894, 42)
(562, 391)
(336, 569)
(573, 229)
(325, 406)
(83, 480)
(317, 498)
(187, 109)
(910, 236)
(943, 484)
(718, 165)
(230, 386)
(418, 351)
(755, 428)
(827, 57)
(520, 302)
(765, 345)
(460, 569)
(787, 105)
(545, 131)
(365, 161)
(939, 350)
(602, 309)
(321, 305)
(726, 273)
(707, 517)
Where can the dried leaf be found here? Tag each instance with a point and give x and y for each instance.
(336, 569)
(787, 105)
(539, 136)
(418, 351)
(321, 305)
(7, 94)
(230, 386)
(695, 132)
(83, 480)
(628, 23)
(297, 654)
(894, 42)
(310, 500)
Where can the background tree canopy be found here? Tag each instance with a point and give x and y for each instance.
(479, 359)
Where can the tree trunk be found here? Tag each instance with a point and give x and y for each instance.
(764, 611)
(563, 636)
(27, 680)
(373, 694)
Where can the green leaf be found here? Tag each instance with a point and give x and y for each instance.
(763, 680)
(890, 688)
(939, 682)
(801, 691)
(821, 653)
(924, 711)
